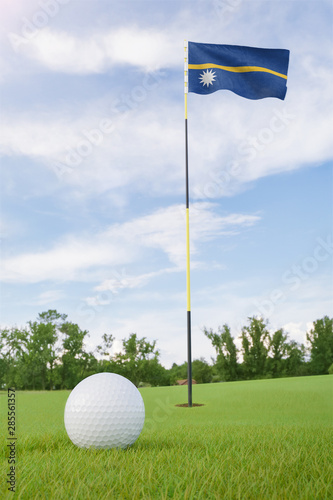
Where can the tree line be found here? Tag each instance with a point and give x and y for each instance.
(50, 353)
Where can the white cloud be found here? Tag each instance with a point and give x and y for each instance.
(49, 297)
(232, 142)
(241, 141)
(82, 258)
(295, 330)
(87, 155)
(120, 282)
(65, 261)
(62, 52)
(148, 49)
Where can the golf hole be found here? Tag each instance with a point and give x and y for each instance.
(185, 405)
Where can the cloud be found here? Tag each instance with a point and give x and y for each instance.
(82, 258)
(65, 261)
(120, 282)
(62, 52)
(251, 140)
(232, 142)
(147, 49)
(91, 151)
(49, 297)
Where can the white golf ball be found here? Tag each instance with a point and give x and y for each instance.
(104, 411)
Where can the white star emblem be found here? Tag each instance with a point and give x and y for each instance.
(207, 77)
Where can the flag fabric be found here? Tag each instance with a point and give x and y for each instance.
(250, 72)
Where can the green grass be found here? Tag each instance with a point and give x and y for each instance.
(269, 439)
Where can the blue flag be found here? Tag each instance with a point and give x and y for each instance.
(250, 72)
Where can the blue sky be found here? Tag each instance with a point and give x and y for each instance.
(92, 170)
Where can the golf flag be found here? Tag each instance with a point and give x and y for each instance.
(250, 72)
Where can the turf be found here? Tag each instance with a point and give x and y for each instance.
(269, 439)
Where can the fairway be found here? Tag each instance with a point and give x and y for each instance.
(265, 439)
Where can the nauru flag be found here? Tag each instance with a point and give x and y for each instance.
(253, 73)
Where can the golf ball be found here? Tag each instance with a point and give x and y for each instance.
(104, 411)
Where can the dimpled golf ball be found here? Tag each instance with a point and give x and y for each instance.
(104, 411)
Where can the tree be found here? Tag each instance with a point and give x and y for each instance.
(74, 359)
(223, 342)
(278, 348)
(53, 317)
(42, 345)
(295, 359)
(201, 371)
(178, 372)
(156, 374)
(3, 367)
(14, 352)
(103, 350)
(320, 339)
(105, 347)
(136, 362)
(255, 338)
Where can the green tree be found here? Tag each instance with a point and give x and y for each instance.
(255, 343)
(177, 372)
(135, 362)
(226, 361)
(29, 357)
(14, 352)
(88, 366)
(3, 364)
(75, 360)
(42, 345)
(201, 371)
(156, 374)
(295, 361)
(320, 339)
(103, 350)
(278, 349)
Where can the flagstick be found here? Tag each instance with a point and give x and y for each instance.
(189, 348)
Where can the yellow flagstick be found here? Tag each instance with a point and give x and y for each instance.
(189, 348)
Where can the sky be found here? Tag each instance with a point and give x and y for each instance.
(93, 171)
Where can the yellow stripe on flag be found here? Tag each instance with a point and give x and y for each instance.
(237, 69)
